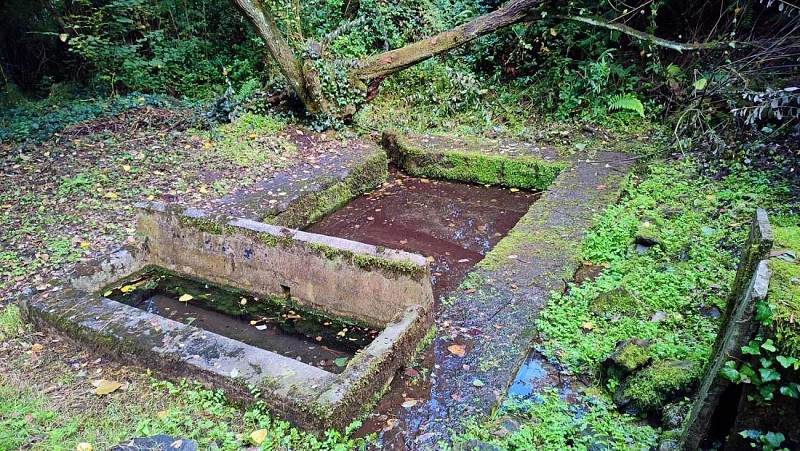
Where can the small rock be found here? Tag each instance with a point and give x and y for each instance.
(475, 445)
(628, 357)
(157, 443)
(795, 281)
(710, 312)
(659, 316)
(668, 445)
(674, 414)
(506, 426)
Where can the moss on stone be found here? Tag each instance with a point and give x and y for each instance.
(632, 357)
(371, 262)
(618, 301)
(654, 387)
(784, 291)
(316, 204)
(204, 224)
(465, 165)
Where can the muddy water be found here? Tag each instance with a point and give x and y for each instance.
(453, 224)
(289, 331)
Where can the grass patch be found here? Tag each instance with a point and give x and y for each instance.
(28, 420)
(551, 423)
(701, 225)
(784, 291)
(10, 322)
(252, 139)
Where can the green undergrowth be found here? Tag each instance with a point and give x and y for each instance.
(252, 139)
(188, 411)
(784, 290)
(34, 122)
(553, 423)
(701, 224)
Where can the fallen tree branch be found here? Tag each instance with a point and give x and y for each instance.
(630, 31)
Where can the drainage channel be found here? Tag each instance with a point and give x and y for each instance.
(309, 337)
(452, 224)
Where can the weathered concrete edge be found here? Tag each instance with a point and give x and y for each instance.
(214, 223)
(537, 171)
(371, 370)
(738, 328)
(305, 395)
(184, 351)
(335, 193)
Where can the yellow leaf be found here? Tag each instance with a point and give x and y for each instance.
(553, 32)
(150, 197)
(514, 190)
(63, 37)
(108, 293)
(127, 288)
(243, 301)
(111, 196)
(203, 189)
(36, 347)
(253, 135)
(206, 145)
(458, 350)
(587, 325)
(162, 413)
(83, 446)
(186, 298)
(105, 387)
(85, 244)
(126, 168)
(258, 436)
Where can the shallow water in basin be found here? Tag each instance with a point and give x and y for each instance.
(453, 224)
(309, 337)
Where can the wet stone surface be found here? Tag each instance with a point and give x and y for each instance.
(305, 336)
(453, 224)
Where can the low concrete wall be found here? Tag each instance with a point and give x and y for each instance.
(739, 327)
(336, 276)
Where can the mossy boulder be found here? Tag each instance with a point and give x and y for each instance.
(629, 356)
(647, 234)
(615, 303)
(649, 390)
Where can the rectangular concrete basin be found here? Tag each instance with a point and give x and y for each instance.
(385, 289)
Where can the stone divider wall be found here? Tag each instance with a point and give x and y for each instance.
(738, 328)
(336, 276)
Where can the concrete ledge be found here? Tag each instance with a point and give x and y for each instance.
(336, 276)
(299, 196)
(476, 161)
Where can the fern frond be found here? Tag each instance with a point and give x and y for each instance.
(626, 102)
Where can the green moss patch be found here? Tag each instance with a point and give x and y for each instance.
(654, 387)
(784, 290)
(371, 262)
(466, 165)
(316, 204)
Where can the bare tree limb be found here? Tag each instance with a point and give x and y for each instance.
(630, 31)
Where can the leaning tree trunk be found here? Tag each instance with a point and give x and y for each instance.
(290, 66)
(384, 64)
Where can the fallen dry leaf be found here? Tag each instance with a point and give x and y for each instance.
(258, 436)
(83, 446)
(458, 350)
(409, 403)
(36, 347)
(105, 387)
